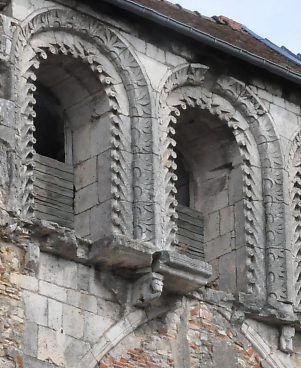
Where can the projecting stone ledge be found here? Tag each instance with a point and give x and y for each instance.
(121, 252)
(181, 273)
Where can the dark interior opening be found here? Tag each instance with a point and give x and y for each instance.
(49, 125)
(182, 184)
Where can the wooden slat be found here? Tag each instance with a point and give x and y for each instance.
(193, 228)
(190, 234)
(189, 242)
(50, 162)
(48, 178)
(52, 196)
(39, 168)
(53, 211)
(53, 188)
(54, 205)
(189, 212)
(48, 217)
(53, 191)
(191, 220)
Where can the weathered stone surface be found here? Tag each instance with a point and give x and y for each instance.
(101, 281)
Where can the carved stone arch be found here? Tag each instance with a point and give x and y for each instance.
(293, 167)
(88, 39)
(277, 253)
(262, 163)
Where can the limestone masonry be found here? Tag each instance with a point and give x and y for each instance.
(150, 186)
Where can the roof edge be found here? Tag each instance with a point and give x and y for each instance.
(206, 38)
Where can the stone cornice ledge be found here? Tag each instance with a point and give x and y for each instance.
(121, 252)
(182, 274)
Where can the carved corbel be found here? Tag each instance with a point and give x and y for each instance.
(147, 288)
(286, 339)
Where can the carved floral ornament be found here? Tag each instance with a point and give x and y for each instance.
(65, 32)
(264, 212)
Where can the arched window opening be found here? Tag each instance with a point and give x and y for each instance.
(210, 194)
(72, 145)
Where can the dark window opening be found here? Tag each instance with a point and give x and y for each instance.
(182, 184)
(49, 125)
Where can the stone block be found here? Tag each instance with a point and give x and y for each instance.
(81, 112)
(97, 288)
(85, 173)
(226, 220)
(33, 362)
(211, 226)
(101, 221)
(286, 122)
(75, 350)
(108, 309)
(104, 176)
(53, 291)
(235, 186)
(29, 283)
(155, 52)
(85, 198)
(73, 321)
(216, 202)
(82, 223)
(82, 300)
(51, 346)
(55, 311)
(83, 277)
(227, 272)
(58, 271)
(95, 326)
(31, 339)
(239, 224)
(100, 135)
(241, 255)
(154, 68)
(218, 247)
(35, 308)
(81, 141)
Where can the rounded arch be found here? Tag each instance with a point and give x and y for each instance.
(116, 333)
(264, 211)
(65, 32)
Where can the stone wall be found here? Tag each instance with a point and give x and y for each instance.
(67, 309)
(12, 319)
(92, 297)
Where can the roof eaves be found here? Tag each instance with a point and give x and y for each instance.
(205, 38)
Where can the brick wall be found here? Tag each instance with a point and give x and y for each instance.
(194, 334)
